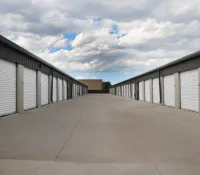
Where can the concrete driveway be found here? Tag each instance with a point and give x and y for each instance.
(101, 134)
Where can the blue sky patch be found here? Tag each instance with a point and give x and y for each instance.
(13, 38)
(97, 20)
(121, 35)
(52, 50)
(56, 49)
(70, 36)
(114, 29)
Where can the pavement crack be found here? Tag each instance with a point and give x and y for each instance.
(157, 169)
(70, 136)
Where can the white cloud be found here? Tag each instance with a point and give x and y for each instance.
(148, 34)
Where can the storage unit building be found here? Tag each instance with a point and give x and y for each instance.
(176, 84)
(27, 81)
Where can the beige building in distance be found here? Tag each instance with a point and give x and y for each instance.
(93, 84)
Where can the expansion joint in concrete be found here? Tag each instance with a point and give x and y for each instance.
(70, 136)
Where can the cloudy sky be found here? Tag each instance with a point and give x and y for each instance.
(109, 39)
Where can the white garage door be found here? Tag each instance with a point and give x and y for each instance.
(74, 90)
(169, 90)
(44, 89)
(65, 89)
(133, 91)
(141, 90)
(54, 89)
(156, 91)
(147, 91)
(125, 91)
(7, 88)
(29, 88)
(77, 90)
(81, 90)
(129, 91)
(59, 89)
(189, 90)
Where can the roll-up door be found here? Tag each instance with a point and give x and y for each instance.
(81, 90)
(141, 90)
(133, 91)
(169, 90)
(156, 91)
(78, 88)
(125, 90)
(65, 89)
(29, 88)
(44, 89)
(60, 89)
(7, 88)
(147, 91)
(74, 92)
(129, 92)
(54, 89)
(189, 90)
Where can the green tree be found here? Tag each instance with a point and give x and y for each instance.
(106, 85)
